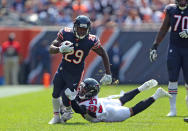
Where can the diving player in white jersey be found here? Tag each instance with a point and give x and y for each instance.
(85, 101)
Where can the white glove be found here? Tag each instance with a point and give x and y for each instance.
(102, 116)
(153, 55)
(66, 47)
(71, 95)
(106, 79)
(184, 33)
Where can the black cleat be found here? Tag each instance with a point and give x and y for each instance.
(186, 119)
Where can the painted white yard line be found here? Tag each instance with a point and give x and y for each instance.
(14, 90)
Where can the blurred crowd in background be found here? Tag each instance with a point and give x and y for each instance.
(62, 12)
(118, 13)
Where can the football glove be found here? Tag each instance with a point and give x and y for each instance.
(153, 53)
(71, 95)
(106, 79)
(66, 47)
(184, 33)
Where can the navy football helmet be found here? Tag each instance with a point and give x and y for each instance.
(88, 88)
(182, 4)
(82, 26)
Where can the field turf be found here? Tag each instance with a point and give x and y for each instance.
(32, 111)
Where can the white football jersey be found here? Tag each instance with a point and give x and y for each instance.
(93, 106)
(105, 109)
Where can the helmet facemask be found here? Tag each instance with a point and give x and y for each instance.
(88, 89)
(81, 32)
(82, 91)
(182, 4)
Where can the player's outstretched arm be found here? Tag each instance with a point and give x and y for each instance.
(78, 109)
(107, 78)
(54, 46)
(101, 52)
(72, 96)
(163, 30)
(160, 36)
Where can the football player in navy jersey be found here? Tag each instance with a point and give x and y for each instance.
(75, 44)
(176, 18)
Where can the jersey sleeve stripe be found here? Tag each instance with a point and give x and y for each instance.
(97, 45)
(60, 36)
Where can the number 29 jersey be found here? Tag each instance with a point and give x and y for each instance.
(178, 22)
(74, 61)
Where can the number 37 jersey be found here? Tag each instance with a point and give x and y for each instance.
(104, 110)
(94, 109)
(178, 23)
(74, 61)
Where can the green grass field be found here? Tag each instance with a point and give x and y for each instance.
(32, 111)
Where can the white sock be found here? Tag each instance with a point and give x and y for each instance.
(186, 86)
(155, 96)
(142, 87)
(186, 99)
(172, 89)
(56, 105)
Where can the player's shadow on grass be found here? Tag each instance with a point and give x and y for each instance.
(76, 123)
(180, 116)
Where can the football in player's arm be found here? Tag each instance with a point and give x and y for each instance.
(85, 101)
(75, 45)
(176, 18)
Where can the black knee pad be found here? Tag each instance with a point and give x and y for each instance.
(66, 101)
(55, 95)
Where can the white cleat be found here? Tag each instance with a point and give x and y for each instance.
(171, 114)
(186, 100)
(160, 92)
(151, 83)
(55, 120)
(148, 84)
(67, 115)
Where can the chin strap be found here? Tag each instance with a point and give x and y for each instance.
(182, 8)
(80, 37)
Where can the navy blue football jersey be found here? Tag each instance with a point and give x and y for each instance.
(74, 61)
(178, 22)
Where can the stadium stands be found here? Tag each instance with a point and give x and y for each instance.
(62, 12)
